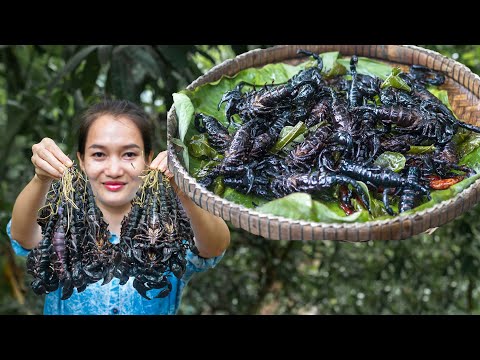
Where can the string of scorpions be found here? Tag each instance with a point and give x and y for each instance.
(75, 250)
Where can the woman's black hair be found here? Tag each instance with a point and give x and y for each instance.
(116, 108)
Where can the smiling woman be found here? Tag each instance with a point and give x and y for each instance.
(114, 148)
(113, 157)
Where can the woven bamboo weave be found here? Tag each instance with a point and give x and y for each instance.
(463, 88)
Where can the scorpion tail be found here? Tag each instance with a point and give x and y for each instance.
(468, 126)
(314, 55)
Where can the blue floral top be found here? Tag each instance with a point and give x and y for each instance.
(116, 299)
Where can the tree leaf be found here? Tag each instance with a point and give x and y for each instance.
(71, 65)
(146, 59)
(467, 141)
(472, 159)
(390, 160)
(331, 67)
(297, 206)
(184, 109)
(368, 66)
(248, 200)
(86, 80)
(199, 147)
(421, 149)
(441, 95)
(119, 77)
(104, 54)
(325, 213)
(395, 81)
(291, 134)
(300, 206)
(177, 55)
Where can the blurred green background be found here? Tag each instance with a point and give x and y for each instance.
(43, 87)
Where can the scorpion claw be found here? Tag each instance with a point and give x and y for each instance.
(142, 289)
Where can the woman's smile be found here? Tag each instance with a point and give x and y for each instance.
(114, 185)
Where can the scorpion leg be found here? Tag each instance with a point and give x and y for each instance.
(345, 180)
(67, 289)
(325, 160)
(200, 126)
(52, 283)
(376, 147)
(364, 196)
(91, 273)
(386, 202)
(249, 176)
(425, 75)
(467, 170)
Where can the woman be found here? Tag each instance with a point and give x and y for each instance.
(114, 146)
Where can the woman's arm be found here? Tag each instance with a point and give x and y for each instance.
(24, 228)
(48, 160)
(212, 235)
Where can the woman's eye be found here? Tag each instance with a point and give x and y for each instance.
(97, 154)
(130, 154)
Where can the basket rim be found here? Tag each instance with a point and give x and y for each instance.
(179, 170)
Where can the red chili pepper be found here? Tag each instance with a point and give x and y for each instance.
(442, 184)
(359, 199)
(348, 209)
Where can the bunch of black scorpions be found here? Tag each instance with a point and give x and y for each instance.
(351, 123)
(75, 250)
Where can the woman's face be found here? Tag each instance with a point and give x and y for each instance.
(113, 160)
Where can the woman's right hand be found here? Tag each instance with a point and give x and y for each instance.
(50, 162)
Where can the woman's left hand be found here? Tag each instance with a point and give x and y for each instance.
(161, 163)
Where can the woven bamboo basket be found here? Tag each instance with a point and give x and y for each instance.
(463, 88)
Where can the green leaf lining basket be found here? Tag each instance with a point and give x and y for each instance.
(463, 88)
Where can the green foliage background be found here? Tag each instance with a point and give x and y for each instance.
(42, 88)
